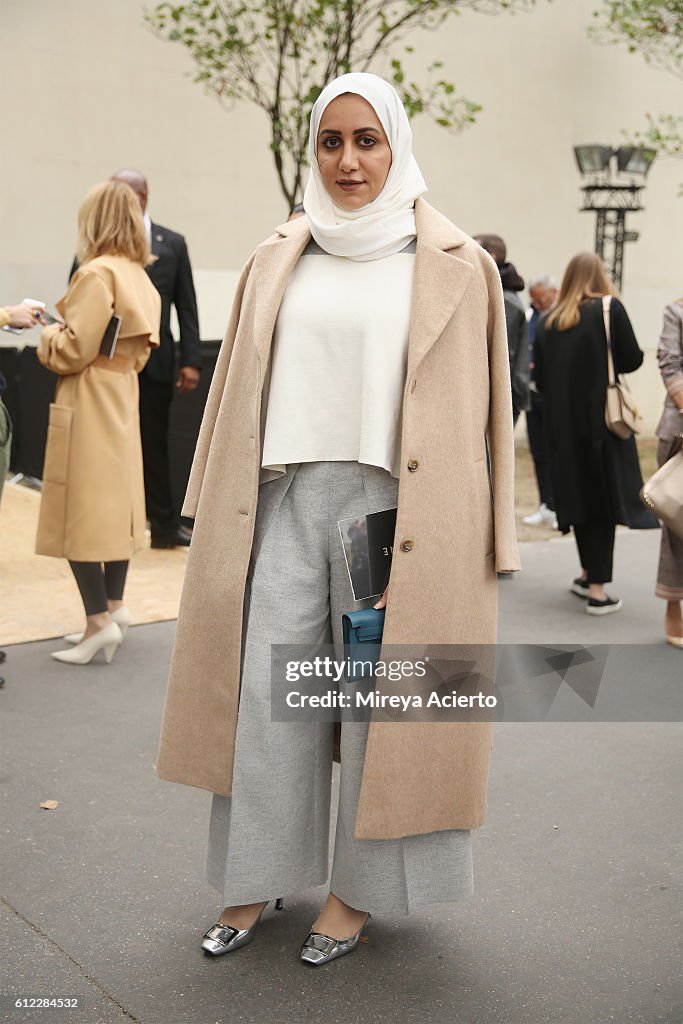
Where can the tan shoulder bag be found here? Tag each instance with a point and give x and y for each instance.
(663, 492)
(621, 412)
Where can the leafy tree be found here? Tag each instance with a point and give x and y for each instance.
(654, 29)
(278, 55)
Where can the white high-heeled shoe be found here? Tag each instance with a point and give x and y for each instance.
(107, 640)
(121, 617)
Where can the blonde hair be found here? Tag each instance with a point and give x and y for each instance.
(110, 222)
(585, 278)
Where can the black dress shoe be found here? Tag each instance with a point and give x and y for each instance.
(180, 538)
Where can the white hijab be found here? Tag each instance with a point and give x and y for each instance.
(387, 224)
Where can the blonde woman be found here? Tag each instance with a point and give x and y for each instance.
(93, 506)
(669, 429)
(596, 475)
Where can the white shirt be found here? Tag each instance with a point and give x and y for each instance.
(339, 359)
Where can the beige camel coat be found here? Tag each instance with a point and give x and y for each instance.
(92, 507)
(418, 777)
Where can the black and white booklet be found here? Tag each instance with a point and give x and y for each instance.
(110, 336)
(368, 543)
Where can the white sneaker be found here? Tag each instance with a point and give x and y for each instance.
(540, 517)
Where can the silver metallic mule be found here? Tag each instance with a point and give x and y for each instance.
(320, 949)
(223, 938)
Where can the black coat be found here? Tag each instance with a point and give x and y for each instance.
(596, 475)
(518, 349)
(171, 275)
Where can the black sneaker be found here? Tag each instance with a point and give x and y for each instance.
(606, 607)
(580, 587)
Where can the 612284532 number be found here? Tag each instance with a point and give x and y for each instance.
(46, 1002)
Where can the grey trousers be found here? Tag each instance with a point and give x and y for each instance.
(271, 837)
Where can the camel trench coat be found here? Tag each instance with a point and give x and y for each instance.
(418, 777)
(92, 506)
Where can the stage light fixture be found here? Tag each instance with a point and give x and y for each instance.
(635, 159)
(593, 159)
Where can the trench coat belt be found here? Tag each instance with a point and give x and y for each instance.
(120, 364)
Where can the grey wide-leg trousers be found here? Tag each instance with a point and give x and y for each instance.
(271, 837)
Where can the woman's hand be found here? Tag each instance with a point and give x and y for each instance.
(188, 379)
(23, 316)
(382, 603)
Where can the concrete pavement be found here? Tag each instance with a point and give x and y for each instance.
(575, 912)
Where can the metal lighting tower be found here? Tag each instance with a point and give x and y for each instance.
(611, 198)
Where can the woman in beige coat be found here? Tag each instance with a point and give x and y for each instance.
(92, 508)
(670, 432)
(365, 365)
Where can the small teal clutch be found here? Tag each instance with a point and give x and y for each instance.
(362, 633)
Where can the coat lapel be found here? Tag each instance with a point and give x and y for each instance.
(441, 278)
(275, 262)
(156, 238)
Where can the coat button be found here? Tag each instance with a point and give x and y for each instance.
(407, 545)
(412, 465)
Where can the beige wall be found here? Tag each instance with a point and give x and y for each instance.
(86, 88)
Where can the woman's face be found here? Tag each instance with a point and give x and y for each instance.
(353, 152)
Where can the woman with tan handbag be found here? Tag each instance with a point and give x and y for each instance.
(596, 475)
(669, 431)
(92, 508)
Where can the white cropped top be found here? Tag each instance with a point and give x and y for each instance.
(338, 363)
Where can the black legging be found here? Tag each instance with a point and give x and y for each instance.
(96, 585)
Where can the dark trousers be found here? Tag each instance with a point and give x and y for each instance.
(155, 405)
(535, 433)
(97, 584)
(595, 542)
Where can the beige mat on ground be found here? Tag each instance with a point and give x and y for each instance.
(39, 599)
(38, 596)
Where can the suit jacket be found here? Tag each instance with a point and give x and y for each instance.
(171, 275)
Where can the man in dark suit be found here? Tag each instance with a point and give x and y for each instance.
(171, 274)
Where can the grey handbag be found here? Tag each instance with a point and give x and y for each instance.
(663, 492)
